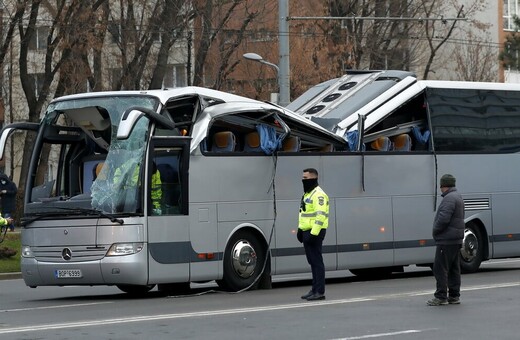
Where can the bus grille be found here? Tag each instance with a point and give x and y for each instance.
(476, 204)
(77, 253)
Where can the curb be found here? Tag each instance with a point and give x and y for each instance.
(10, 276)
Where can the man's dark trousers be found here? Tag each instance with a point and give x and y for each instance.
(446, 270)
(313, 247)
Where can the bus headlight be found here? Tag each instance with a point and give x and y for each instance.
(27, 252)
(119, 249)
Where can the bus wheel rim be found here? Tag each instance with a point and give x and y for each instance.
(469, 248)
(243, 258)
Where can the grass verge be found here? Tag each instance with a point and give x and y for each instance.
(11, 264)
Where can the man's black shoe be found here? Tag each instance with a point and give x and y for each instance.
(315, 297)
(310, 293)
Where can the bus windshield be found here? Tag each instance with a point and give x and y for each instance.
(83, 164)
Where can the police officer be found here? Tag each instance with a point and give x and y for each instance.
(8, 198)
(313, 223)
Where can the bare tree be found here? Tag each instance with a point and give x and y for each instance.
(212, 19)
(430, 30)
(476, 60)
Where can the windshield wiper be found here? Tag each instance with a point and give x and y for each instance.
(95, 212)
(26, 221)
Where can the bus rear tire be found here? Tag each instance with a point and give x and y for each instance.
(172, 289)
(472, 251)
(136, 290)
(244, 259)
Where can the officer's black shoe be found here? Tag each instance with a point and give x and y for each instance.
(315, 297)
(310, 293)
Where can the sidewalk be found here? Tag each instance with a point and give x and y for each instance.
(10, 276)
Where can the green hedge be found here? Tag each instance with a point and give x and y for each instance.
(11, 241)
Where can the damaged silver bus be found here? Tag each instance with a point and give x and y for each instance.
(164, 187)
(167, 187)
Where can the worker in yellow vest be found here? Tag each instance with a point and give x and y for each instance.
(156, 192)
(312, 227)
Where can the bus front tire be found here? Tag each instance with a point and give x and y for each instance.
(136, 290)
(244, 259)
(472, 251)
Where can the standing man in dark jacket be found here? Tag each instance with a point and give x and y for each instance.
(8, 194)
(448, 233)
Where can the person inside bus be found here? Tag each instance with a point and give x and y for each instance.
(156, 192)
(448, 233)
(312, 226)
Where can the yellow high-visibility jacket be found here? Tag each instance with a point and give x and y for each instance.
(156, 184)
(3, 221)
(315, 216)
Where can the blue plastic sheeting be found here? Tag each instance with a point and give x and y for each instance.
(420, 137)
(352, 138)
(269, 142)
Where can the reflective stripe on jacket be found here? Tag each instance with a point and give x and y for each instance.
(315, 216)
(156, 190)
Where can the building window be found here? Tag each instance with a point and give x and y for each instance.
(39, 38)
(175, 76)
(511, 8)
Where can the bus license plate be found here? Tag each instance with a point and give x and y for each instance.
(68, 273)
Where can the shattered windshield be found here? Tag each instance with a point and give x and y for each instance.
(115, 184)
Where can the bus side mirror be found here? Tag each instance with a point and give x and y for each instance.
(133, 114)
(127, 123)
(9, 129)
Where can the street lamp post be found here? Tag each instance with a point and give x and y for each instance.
(258, 58)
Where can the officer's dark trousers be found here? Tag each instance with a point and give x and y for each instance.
(446, 270)
(312, 245)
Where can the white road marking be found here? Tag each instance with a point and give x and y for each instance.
(131, 319)
(54, 307)
(381, 335)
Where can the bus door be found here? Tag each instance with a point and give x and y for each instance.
(169, 245)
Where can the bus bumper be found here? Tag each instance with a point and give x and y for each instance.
(113, 270)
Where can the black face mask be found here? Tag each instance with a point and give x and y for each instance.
(309, 184)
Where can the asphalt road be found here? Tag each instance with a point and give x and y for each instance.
(392, 308)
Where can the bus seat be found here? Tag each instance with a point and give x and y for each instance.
(252, 143)
(383, 143)
(402, 142)
(327, 148)
(97, 171)
(224, 141)
(291, 144)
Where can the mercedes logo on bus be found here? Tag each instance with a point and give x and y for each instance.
(66, 253)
